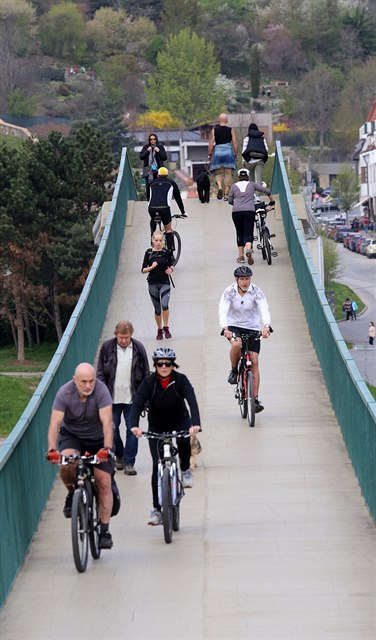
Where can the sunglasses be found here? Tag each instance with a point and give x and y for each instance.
(164, 364)
(152, 138)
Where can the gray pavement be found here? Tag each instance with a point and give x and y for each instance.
(275, 540)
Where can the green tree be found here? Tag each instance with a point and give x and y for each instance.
(180, 85)
(106, 33)
(255, 71)
(346, 188)
(62, 31)
(180, 14)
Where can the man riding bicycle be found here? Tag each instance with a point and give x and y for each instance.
(241, 309)
(82, 414)
(162, 190)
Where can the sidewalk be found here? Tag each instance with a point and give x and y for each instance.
(275, 540)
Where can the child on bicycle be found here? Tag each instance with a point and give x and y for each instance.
(166, 393)
(241, 308)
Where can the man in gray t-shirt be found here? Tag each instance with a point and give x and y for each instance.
(82, 415)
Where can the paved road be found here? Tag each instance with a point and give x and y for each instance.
(275, 540)
(359, 273)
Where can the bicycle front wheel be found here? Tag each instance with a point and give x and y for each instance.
(166, 505)
(176, 506)
(94, 525)
(79, 528)
(242, 398)
(177, 247)
(266, 248)
(251, 406)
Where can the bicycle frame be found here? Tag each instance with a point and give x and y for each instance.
(244, 390)
(263, 232)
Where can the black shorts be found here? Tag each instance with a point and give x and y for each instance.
(71, 441)
(163, 212)
(238, 330)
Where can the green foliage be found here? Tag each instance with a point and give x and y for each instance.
(15, 394)
(62, 32)
(346, 188)
(36, 358)
(155, 45)
(341, 292)
(330, 261)
(255, 71)
(19, 104)
(180, 14)
(180, 85)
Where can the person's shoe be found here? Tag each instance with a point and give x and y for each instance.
(67, 511)
(119, 464)
(105, 540)
(187, 479)
(240, 259)
(129, 470)
(155, 517)
(232, 379)
(249, 257)
(219, 194)
(258, 406)
(167, 332)
(159, 335)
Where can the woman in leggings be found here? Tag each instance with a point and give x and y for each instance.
(157, 264)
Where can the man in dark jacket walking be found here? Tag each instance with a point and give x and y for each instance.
(255, 150)
(122, 366)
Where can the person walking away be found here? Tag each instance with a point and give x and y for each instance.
(222, 152)
(157, 264)
(167, 393)
(153, 154)
(255, 151)
(122, 366)
(81, 418)
(243, 307)
(354, 309)
(347, 308)
(371, 332)
(162, 190)
(242, 199)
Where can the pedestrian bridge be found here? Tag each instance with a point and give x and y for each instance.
(276, 541)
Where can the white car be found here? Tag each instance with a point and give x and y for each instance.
(371, 249)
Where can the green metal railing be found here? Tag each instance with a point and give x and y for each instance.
(25, 477)
(353, 404)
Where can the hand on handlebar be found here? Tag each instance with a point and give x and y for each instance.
(53, 456)
(193, 431)
(137, 432)
(103, 454)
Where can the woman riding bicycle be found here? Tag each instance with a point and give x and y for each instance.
(157, 264)
(242, 197)
(166, 392)
(241, 308)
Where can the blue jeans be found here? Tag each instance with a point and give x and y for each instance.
(129, 451)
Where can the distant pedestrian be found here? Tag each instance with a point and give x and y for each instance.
(347, 309)
(354, 308)
(222, 152)
(371, 333)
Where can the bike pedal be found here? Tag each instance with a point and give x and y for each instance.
(272, 235)
(275, 254)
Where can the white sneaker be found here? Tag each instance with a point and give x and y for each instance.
(155, 517)
(187, 479)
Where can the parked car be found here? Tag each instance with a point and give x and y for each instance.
(364, 243)
(326, 207)
(340, 232)
(371, 249)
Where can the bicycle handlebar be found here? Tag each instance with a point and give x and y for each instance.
(88, 458)
(160, 436)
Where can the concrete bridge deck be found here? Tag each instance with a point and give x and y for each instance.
(275, 540)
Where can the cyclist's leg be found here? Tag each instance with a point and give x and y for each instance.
(255, 365)
(238, 223)
(152, 213)
(131, 443)
(235, 348)
(166, 219)
(104, 488)
(259, 169)
(117, 410)
(68, 445)
(153, 446)
(248, 225)
(184, 449)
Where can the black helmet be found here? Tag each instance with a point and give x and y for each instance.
(243, 272)
(164, 352)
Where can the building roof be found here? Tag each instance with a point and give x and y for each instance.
(372, 114)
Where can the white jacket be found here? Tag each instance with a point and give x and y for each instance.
(250, 311)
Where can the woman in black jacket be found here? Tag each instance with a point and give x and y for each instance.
(255, 150)
(153, 155)
(166, 392)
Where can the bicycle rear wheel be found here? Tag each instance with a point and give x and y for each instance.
(166, 505)
(266, 247)
(79, 528)
(177, 247)
(94, 525)
(251, 406)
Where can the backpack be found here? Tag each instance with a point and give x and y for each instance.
(116, 495)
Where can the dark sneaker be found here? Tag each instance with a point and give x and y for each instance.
(159, 335)
(167, 332)
(219, 194)
(249, 257)
(105, 540)
(119, 464)
(232, 379)
(129, 470)
(67, 511)
(258, 406)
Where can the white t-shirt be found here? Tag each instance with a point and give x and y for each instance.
(122, 385)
